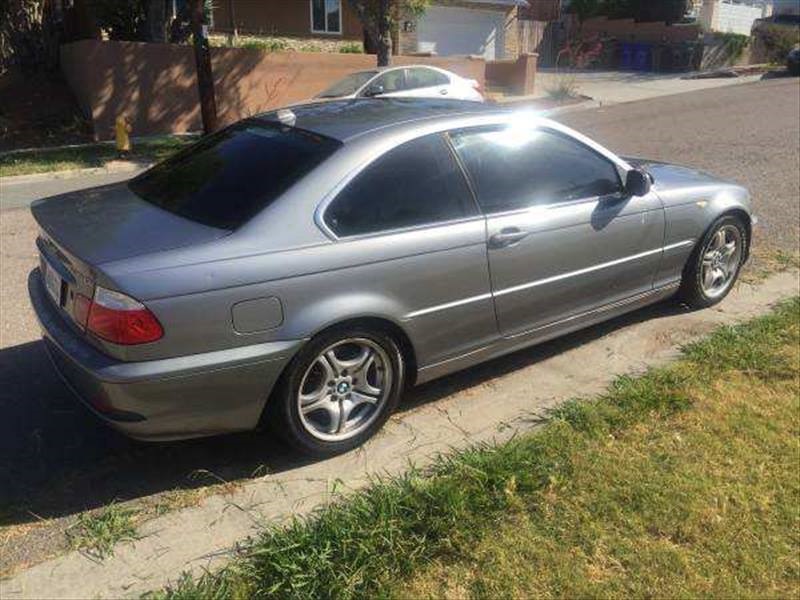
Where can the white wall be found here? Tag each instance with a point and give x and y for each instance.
(735, 17)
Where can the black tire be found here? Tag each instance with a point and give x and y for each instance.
(691, 291)
(283, 410)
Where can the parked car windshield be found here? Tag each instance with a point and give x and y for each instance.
(230, 176)
(349, 85)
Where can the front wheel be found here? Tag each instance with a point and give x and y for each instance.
(715, 264)
(338, 391)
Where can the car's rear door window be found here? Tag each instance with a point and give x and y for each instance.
(417, 183)
(513, 168)
(419, 77)
(389, 82)
(230, 176)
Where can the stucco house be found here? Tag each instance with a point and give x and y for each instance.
(488, 28)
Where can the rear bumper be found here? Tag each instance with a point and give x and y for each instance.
(175, 398)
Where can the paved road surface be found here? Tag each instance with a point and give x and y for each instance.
(56, 460)
(18, 195)
(748, 133)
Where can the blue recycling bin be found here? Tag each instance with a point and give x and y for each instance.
(626, 56)
(641, 57)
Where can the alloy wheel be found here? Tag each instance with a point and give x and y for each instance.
(344, 389)
(721, 260)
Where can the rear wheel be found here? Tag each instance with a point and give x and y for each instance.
(715, 263)
(338, 391)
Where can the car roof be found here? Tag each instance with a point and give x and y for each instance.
(398, 67)
(346, 119)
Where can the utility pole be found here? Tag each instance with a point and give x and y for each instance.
(202, 59)
(234, 32)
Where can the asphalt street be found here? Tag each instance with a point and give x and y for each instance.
(748, 133)
(20, 194)
(57, 460)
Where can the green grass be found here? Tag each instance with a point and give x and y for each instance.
(354, 48)
(97, 532)
(84, 157)
(681, 482)
(266, 44)
(766, 261)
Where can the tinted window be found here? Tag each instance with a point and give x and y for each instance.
(226, 178)
(393, 81)
(414, 184)
(515, 168)
(349, 85)
(420, 78)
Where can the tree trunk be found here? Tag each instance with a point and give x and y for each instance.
(202, 59)
(156, 21)
(234, 32)
(384, 33)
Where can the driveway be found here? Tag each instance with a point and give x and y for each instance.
(56, 460)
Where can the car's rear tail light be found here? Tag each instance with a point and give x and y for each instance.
(120, 319)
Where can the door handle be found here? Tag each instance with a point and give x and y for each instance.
(507, 237)
(443, 92)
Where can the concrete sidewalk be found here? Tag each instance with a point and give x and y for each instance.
(613, 87)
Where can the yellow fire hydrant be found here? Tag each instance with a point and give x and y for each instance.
(122, 130)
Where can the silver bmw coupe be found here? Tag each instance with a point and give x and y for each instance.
(301, 268)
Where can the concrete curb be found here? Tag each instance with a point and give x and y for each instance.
(492, 408)
(109, 168)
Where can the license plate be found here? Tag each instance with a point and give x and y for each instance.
(52, 282)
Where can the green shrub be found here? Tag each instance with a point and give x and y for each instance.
(266, 44)
(353, 48)
(734, 43)
(776, 41)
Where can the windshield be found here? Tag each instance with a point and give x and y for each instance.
(228, 177)
(349, 85)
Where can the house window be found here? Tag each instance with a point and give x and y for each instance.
(326, 16)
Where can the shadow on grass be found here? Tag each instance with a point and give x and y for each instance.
(57, 459)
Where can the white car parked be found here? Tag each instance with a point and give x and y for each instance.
(412, 81)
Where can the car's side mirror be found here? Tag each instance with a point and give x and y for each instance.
(637, 183)
(374, 90)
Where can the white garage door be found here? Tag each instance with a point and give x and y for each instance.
(448, 30)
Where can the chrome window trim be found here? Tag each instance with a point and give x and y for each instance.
(400, 230)
(443, 128)
(330, 197)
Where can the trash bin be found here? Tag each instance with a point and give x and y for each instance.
(641, 57)
(626, 56)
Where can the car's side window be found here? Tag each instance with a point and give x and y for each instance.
(393, 81)
(419, 77)
(417, 183)
(514, 168)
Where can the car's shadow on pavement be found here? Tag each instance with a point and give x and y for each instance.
(57, 459)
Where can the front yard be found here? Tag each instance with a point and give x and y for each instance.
(682, 482)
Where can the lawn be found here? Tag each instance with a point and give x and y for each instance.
(84, 157)
(681, 482)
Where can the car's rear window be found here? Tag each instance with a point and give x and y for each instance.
(228, 177)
